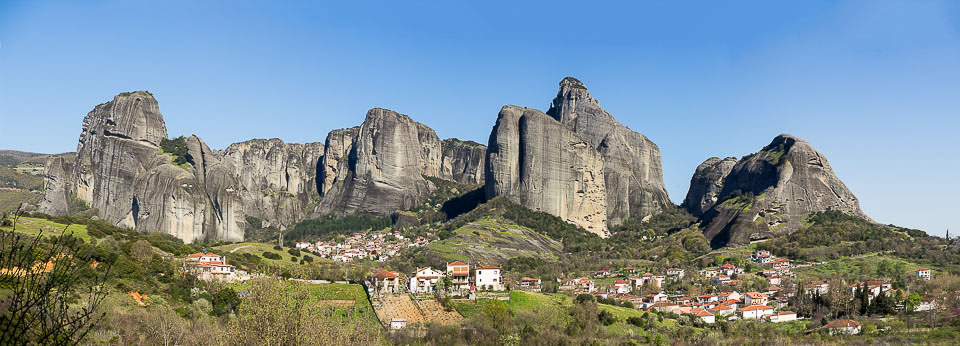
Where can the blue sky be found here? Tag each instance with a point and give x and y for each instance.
(871, 84)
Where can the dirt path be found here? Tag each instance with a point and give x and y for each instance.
(240, 248)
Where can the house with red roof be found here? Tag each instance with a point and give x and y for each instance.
(386, 281)
(754, 312)
(424, 280)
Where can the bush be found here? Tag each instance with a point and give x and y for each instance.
(177, 147)
(294, 252)
(278, 247)
(606, 317)
(584, 298)
(271, 255)
(637, 321)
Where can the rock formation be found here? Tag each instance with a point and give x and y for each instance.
(462, 161)
(385, 166)
(706, 184)
(278, 181)
(632, 171)
(120, 171)
(539, 163)
(767, 193)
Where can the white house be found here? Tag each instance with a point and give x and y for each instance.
(782, 316)
(459, 274)
(387, 281)
(849, 327)
(706, 316)
(622, 286)
(923, 274)
(488, 277)
(754, 312)
(530, 284)
(210, 266)
(722, 310)
(675, 272)
(424, 280)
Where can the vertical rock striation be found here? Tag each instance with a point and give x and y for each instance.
(632, 171)
(463, 161)
(120, 172)
(537, 162)
(767, 193)
(278, 181)
(386, 163)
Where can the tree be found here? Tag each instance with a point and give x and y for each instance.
(43, 275)
(913, 301)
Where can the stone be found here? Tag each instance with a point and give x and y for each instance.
(462, 161)
(769, 193)
(385, 169)
(706, 184)
(632, 170)
(539, 163)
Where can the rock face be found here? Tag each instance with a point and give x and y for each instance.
(278, 181)
(587, 145)
(706, 184)
(385, 166)
(632, 170)
(767, 193)
(119, 171)
(462, 161)
(541, 164)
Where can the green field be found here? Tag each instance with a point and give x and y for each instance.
(11, 200)
(494, 241)
(859, 268)
(33, 226)
(258, 249)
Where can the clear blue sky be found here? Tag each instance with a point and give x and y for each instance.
(874, 85)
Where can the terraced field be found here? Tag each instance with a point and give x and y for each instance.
(33, 226)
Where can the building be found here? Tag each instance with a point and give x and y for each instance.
(704, 315)
(816, 287)
(386, 281)
(210, 266)
(656, 297)
(398, 323)
(459, 274)
(754, 312)
(585, 285)
(722, 310)
(488, 278)
(530, 284)
(849, 327)
(424, 280)
(782, 316)
(755, 298)
(622, 286)
(676, 273)
(923, 274)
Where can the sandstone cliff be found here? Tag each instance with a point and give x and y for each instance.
(278, 181)
(120, 171)
(463, 161)
(385, 165)
(539, 163)
(706, 184)
(632, 172)
(769, 193)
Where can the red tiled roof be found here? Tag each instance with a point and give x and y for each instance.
(756, 307)
(457, 263)
(385, 274)
(842, 324)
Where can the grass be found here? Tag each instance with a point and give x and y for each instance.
(11, 200)
(9, 177)
(494, 240)
(258, 249)
(33, 226)
(859, 268)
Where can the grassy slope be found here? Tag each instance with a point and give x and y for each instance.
(11, 200)
(33, 226)
(495, 240)
(258, 249)
(855, 267)
(529, 302)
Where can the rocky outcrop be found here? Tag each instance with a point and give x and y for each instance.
(334, 161)
(632, 172)
(706, 184)
(539, 163)
(462, 161)
(385, 166)
(770, 192)
(278, 181)
(120, 171)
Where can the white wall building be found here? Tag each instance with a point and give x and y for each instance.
(424, 280)
(488, 278)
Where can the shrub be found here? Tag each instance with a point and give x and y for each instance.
(271, 255)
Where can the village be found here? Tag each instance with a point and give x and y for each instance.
(376, 246)
(399, 297)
